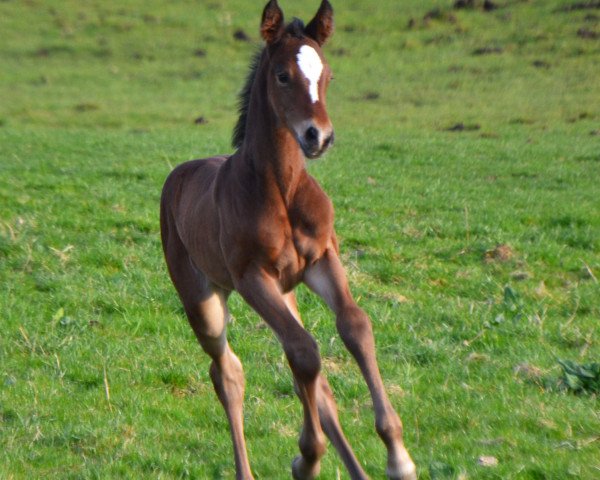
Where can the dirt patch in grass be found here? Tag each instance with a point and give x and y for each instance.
(486, 5)
(529, 373)
(501, 253)
(588, 34)
(488, 50)
(462, 127)
(86, 107)
(369, 96)
(241, 35)
(541, 64)
(579, 6)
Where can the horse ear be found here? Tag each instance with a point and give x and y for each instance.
(271, 27)
(320, 28)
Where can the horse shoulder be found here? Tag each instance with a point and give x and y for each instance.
(311, 206)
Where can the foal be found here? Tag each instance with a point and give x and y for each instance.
(258, 223)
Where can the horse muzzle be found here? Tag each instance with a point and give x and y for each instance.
(314, 142)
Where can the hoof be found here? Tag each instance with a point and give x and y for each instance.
(406, 471)
(302, 471)
(400, 466)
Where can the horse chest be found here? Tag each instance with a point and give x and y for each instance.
(309, 241)
(297, 252)
(308, 236)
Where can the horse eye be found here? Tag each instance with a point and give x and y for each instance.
(283, 78)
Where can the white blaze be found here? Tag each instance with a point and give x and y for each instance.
(311, 66)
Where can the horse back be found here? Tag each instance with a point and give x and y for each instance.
(190, 183)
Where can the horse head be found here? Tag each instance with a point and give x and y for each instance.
(298, 75)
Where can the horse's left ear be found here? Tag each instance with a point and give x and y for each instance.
(320, 28)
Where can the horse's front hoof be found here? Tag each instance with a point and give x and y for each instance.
(302, 471)
(406, 471)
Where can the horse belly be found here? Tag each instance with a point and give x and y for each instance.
(207, 257)
(199, 223)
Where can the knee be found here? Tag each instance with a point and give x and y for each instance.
(304, 359)
(354, 327)
(213, 345)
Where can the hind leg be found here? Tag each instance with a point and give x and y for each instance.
(208, 318)
(225, 371)
(206, 309)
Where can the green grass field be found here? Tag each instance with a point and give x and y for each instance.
(466, 184)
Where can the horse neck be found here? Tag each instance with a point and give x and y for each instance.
(269, 148)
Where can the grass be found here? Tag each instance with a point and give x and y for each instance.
(465, 184)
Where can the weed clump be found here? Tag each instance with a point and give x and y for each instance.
(580, 379)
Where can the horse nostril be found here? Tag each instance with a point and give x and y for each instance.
(312, 135)
(329, 140)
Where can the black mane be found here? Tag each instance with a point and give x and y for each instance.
(239, 132)
(294, 29)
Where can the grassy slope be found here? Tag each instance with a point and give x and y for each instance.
(98, 102)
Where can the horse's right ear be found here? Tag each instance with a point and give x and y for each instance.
(271, 27)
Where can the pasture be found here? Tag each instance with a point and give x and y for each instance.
(465, 181)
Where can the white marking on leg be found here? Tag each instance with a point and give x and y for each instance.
(311, 66)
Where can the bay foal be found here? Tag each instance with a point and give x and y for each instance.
(258, 223)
